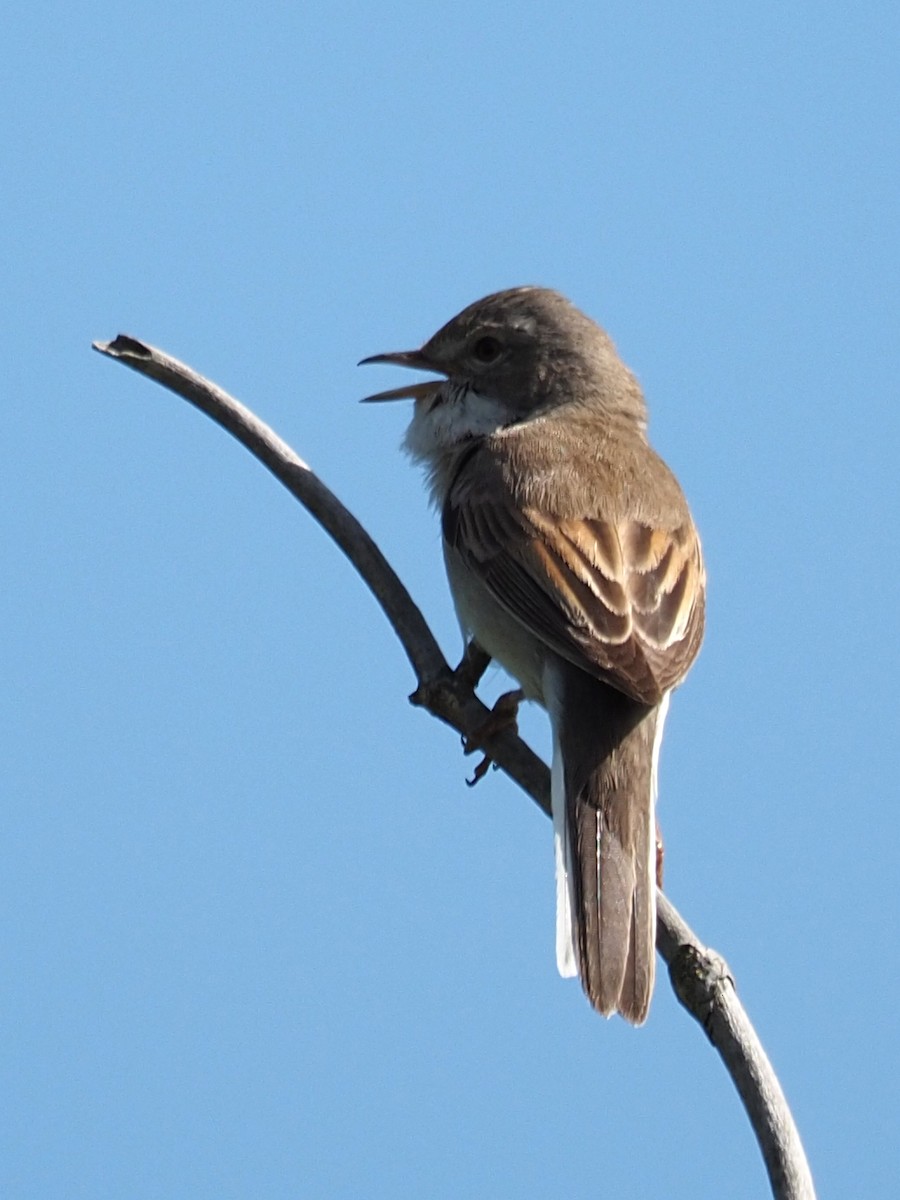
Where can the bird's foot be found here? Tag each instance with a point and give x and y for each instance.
(502, 717)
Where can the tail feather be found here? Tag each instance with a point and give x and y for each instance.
(566, 959)
(604, 788)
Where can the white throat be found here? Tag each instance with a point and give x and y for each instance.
(449, 417)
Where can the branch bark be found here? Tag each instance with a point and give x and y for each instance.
(700, 978)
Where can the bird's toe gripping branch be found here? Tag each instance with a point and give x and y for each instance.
(503, 717)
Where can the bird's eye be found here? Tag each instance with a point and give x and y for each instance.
(487, 349)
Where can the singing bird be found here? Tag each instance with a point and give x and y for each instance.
(574, 562)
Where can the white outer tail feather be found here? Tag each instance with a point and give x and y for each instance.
(566, 960)
(657, 743)
(566, 955)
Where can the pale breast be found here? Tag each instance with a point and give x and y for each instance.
(510, 644)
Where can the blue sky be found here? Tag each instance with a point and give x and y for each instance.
(258, 939)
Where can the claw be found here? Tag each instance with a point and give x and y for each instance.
(501, 717)
(480, 771)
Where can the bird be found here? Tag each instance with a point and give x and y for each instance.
(574, 562)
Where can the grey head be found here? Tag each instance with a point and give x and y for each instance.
(530, 349)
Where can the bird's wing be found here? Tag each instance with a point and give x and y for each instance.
(622, 599)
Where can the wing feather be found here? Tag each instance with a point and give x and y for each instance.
(622, 599)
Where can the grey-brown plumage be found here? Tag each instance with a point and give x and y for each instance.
(573, 561)
(607, 752)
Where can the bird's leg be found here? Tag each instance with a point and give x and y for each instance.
(473, 665)
(503, 716)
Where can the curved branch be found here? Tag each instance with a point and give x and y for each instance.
(700, 978)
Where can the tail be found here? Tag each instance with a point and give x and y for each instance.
(605, 753)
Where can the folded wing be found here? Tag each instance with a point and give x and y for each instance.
(623, 600)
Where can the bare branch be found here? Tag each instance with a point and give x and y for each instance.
(446, 694)
(704, 985)
(418, 641)
(700, 978)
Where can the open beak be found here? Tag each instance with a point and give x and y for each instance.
(412, 391)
